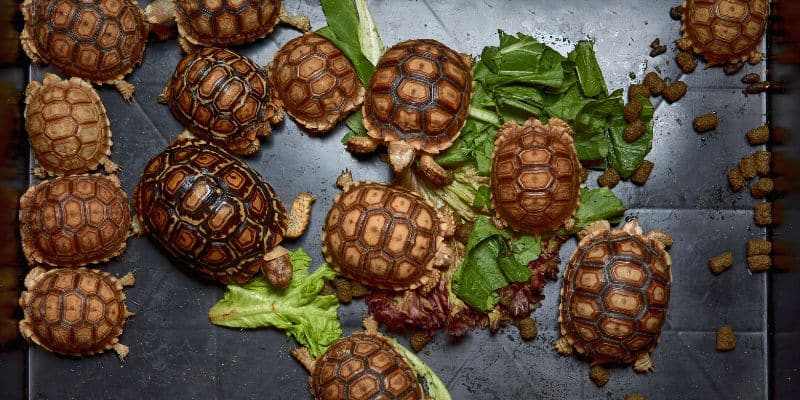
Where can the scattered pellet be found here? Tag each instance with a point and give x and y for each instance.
(726, 339)
(609, 178)
(751, 78)
(599, 375)
(759, 263)
(758, 135)
(748, 167)
(418, 341)
(658, 51)
(732, 69)
(642, 173)
(758, 247)
(655, 43)
(763, 214)
(756, 88)
(676, 12)
(706, 122)
(528, 329)
(721, 263)
(763, 159)
(675, 91)
(637, 90)
(762, 187)
(632, 110)
(686, 61)
(344, 292)
(358, 289)
(635, 396)
(327, 289)
(654, 83)
(735, 179)
(634, 131)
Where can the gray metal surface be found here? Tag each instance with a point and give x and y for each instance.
(177, 353)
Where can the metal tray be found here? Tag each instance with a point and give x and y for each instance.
(177, 353)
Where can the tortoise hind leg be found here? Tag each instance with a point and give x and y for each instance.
(434, 172)
(755, 57)
(362, 144)
(299, 215)
(563, 347)
(125, 89)
(303, 356)
(277, 267)
(121, 350)
(109, 166)
(299, 22)
(643, 364)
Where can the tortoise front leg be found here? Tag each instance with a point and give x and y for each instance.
(125, 89)
(362, 144)
(434, 172)
(299, 22)
(643, 364)
(299, 215)
(303, 356)
(563, 347)
(277, 267)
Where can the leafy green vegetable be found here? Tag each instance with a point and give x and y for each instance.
(299, 310)
(589, 74)
(598, 204)
(626, 157)
(354, 122)
(351, 28)
(483, 198)
(526, 248)
(368, 37)
(364, 68)
(488, 265)
(436, 388)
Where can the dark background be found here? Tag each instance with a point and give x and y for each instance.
(177, 353)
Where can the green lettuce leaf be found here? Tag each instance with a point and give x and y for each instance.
(526, 248)
(298, 310)
(626, 157)
(356, 125)
(351, 28)
(596, 205)
(589, 74)
(436, 388)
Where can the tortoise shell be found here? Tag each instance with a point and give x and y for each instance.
(74, 312)
(74, 221)
(100, 41)
(223, 97)
(420, 94)
(67, 126)
(535, 177)
(615, 296)
(725, 30)
(209, 210)
(223, 23)
(315, 81)
(382, 236)
(363, 366)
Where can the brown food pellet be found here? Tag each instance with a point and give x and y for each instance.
(528, 329)
(759, 263)
(675, 91)
(763, 214)
(635, 396)
(327, 289)
(751, 78)
(706, 122)
(344, 292)
(358, 289)
(721, 263)
(634, 131)
(418, 341)
(736, 180)
(758, 135)
(762, 187)
(756, 88)
(726, 339)
(758, 247)
(763, 159)
(637, 90)
(658, 51)
(632, 111)
(655, 43)
(748, 167)
(686, 61)
(642, 173)
(732, 69)
(654, 83)
(676, 12)
(609, 178)
(599, 375)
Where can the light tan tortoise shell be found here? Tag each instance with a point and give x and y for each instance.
(725, 31)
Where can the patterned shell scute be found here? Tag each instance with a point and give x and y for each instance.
(535, 178)
(74, 221)
(615, 296)
(725, 30)
(99, 41)
(364, 367)
(316, 82)
(209, 210)
(68, 127)
(223, 23)
(420, 93)
(76, 311)
(382, 236)
(222, 97)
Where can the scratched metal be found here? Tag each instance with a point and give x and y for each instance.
(177, 353)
